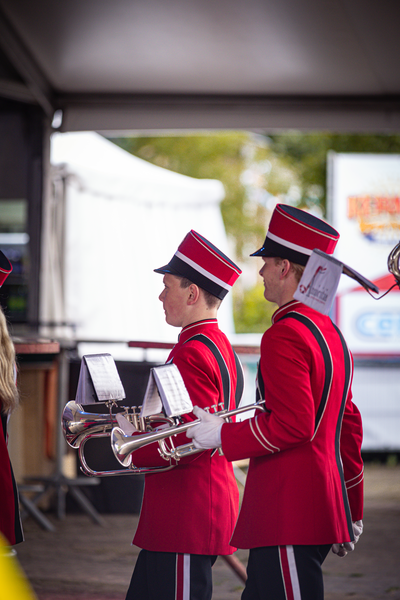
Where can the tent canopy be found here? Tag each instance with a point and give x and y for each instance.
(110, 220)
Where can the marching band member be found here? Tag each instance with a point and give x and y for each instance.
(304, 488)
(10, 522)
(188, 513)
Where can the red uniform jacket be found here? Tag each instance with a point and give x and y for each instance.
(305, 478)
(10, 523)
(193, 508)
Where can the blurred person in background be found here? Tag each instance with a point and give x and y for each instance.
(10, 522)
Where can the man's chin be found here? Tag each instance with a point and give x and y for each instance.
(172, 323)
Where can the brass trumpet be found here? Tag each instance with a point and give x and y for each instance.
(124, 446)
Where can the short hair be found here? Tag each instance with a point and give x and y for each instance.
(297, 269)
(211, 300)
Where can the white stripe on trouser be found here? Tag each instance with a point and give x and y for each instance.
(186, 577)
(293, 573)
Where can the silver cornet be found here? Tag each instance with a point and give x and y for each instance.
(124, 446)
(79, 427)
(78, 424)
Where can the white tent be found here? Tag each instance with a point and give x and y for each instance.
(110, 219)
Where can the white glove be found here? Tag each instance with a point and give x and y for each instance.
(206, 434)
(342, 549)
(125, 425)
(357, 530)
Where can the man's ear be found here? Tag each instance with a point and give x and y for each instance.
(193, 293)
(284, 268)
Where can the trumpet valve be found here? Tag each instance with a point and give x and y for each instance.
(165, 452)
(216, 408)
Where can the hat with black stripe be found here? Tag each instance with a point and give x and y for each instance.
(5, 268)
(293, 234)
(204, 264)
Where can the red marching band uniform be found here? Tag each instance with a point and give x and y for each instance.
(304, 487)
(305, 450)
(200, 497)
(10, 522)
(188, 512)
(296, 448)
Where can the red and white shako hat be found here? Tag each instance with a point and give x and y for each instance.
(204, 264)
(293, 234)
(5, 268)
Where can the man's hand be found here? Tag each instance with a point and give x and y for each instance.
(206, 434)
(342, 549)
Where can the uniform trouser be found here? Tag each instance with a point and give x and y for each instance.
(285, 573)
(170, 576)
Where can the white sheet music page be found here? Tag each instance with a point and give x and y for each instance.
(152, 404)
(85, 392)
(105, 377)
(174, 395)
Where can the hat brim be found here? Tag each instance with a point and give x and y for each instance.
(261, 252)
(273, 249)
(167, 269)
(194, 276)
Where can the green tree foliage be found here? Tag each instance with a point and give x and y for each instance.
(221, 156)
(252, 312)
(306, 155)
(256, 171)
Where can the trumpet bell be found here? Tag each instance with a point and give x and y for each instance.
(78, 424)
(119, 445)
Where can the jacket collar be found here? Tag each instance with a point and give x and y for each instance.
(283, 310)
(195, 328)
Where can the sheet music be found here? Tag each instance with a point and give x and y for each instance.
(152, 404)
(85, 393)
(175, 397)
(105, 377)
(166, 390)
